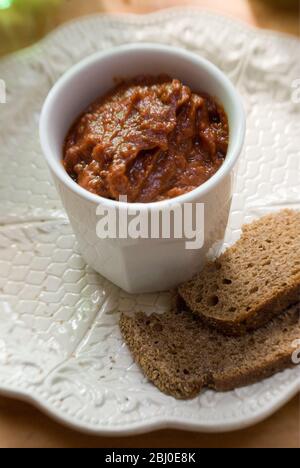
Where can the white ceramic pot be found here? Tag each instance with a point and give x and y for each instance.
(140, 265)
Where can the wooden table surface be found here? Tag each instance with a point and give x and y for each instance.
(23, 426)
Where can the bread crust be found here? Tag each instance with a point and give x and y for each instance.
(243, 298)
(232, 325)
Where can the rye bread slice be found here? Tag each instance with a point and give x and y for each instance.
(181, 355)
(252, 281)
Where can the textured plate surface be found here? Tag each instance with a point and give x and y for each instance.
(60, 346)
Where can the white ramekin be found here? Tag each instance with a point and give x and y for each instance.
(140, 265)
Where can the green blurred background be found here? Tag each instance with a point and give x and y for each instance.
(24, 21)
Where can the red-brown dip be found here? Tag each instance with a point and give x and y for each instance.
(150, 138)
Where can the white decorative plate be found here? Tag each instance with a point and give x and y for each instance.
(60, 347)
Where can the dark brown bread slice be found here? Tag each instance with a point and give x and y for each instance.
(180, 355)
(255, 279)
